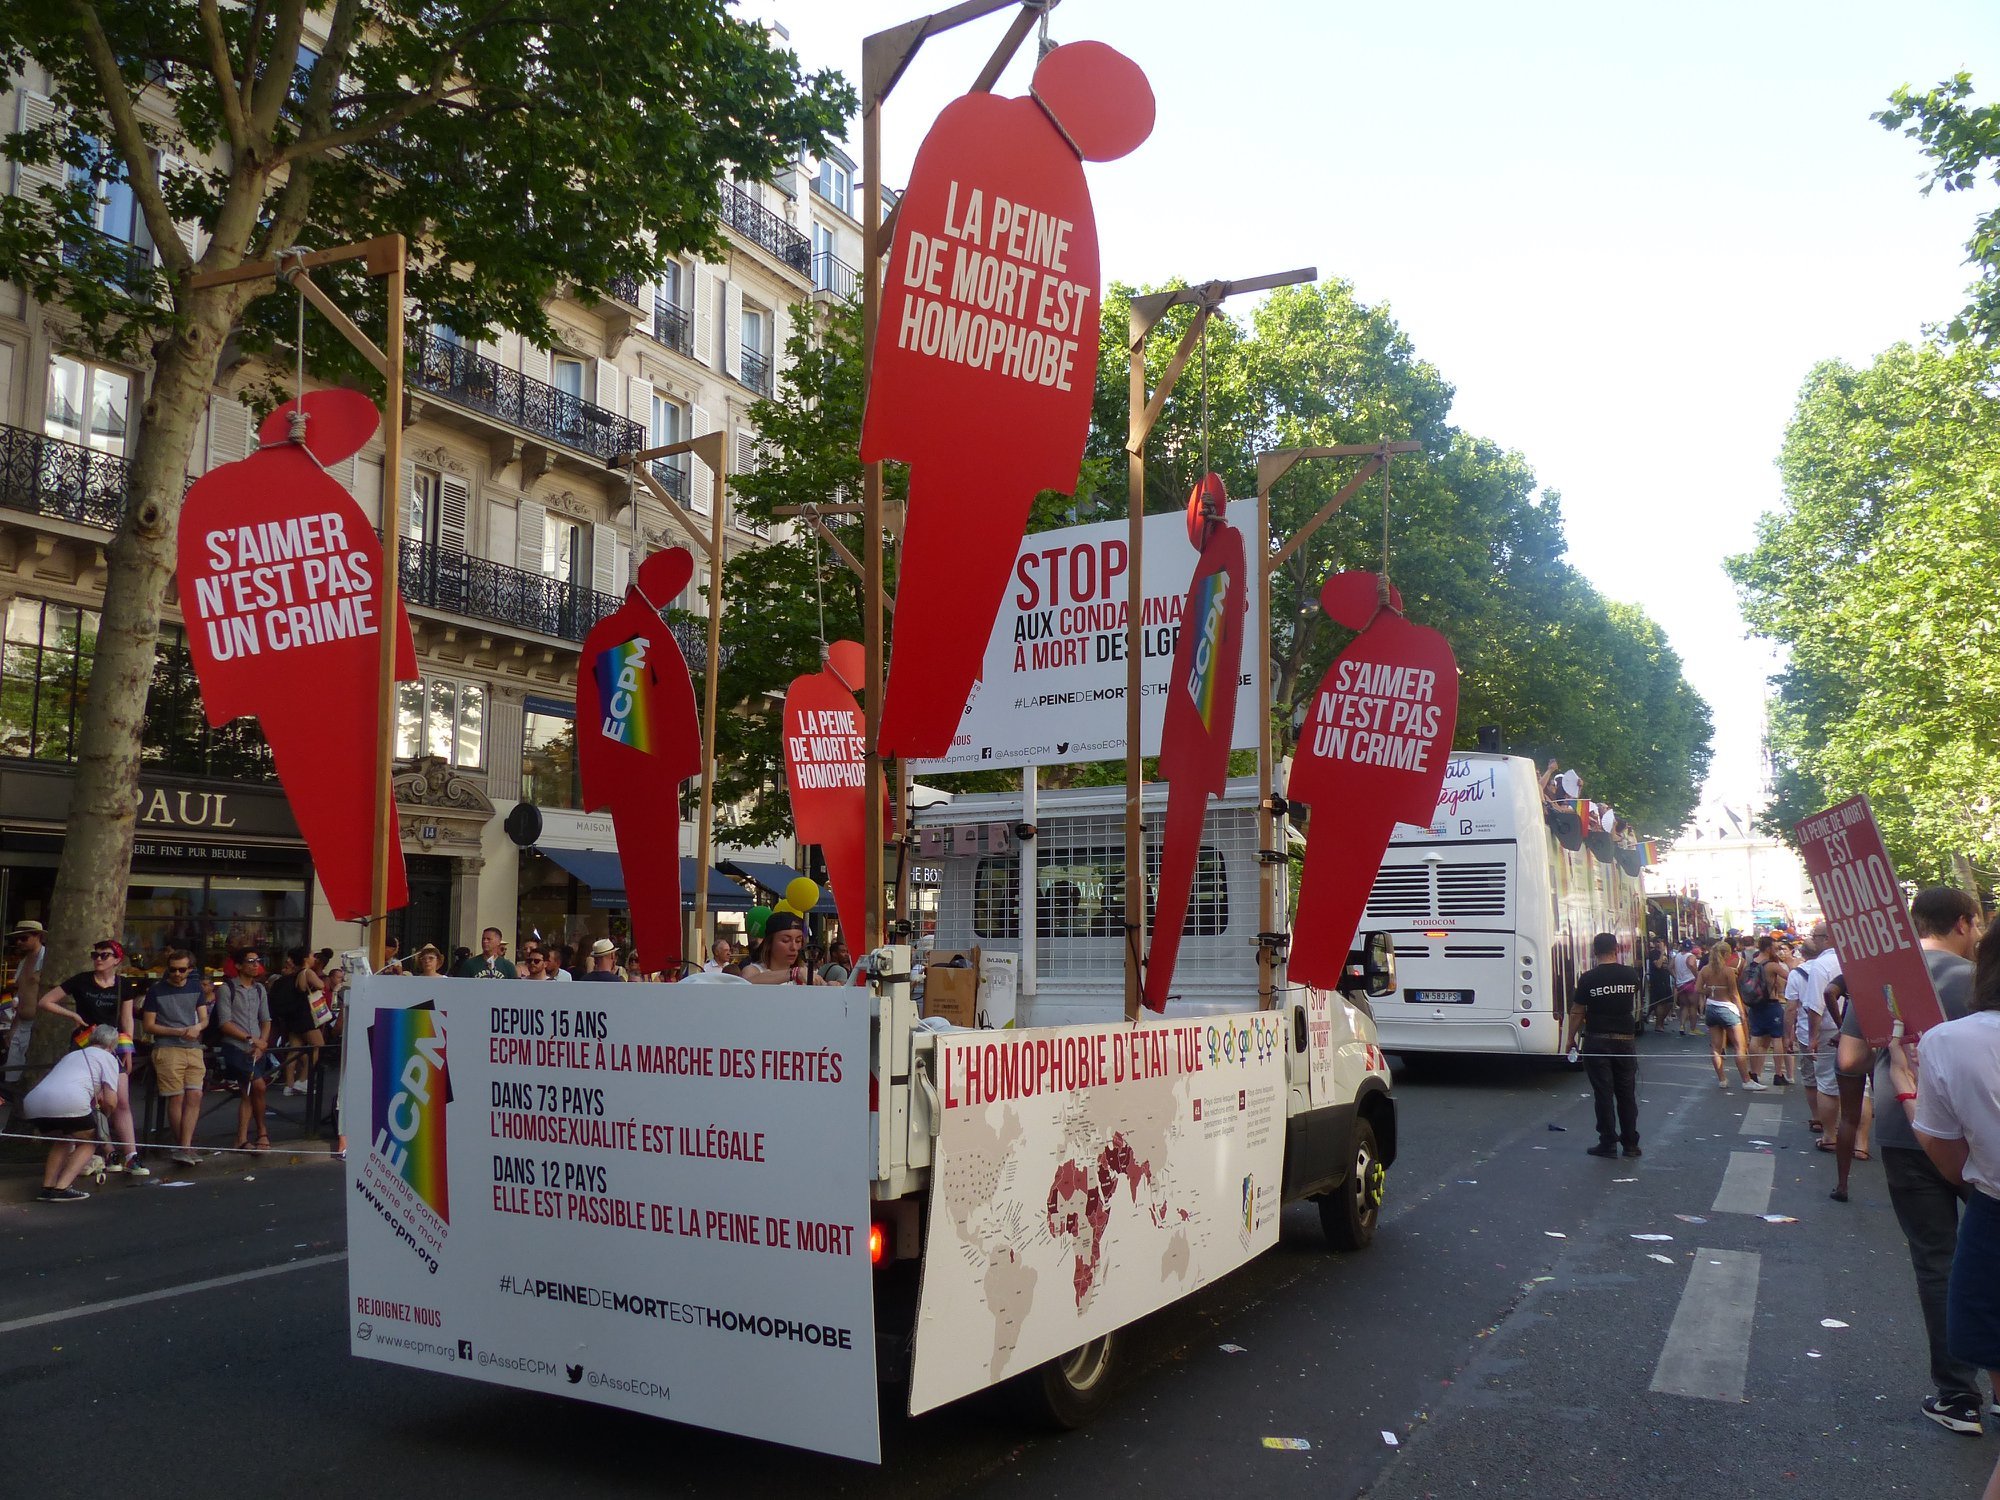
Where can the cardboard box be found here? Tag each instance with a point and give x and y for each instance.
(949, 992)
(999, 989)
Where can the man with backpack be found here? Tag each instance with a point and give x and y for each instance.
(1765, 1007)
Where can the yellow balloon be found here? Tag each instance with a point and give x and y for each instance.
(802, 895)
(783, 909)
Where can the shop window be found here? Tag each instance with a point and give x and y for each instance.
(442, 717)
(548, 755)
(996, 898)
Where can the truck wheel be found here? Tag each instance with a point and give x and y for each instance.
(1065, 1393)
(1350, 1212)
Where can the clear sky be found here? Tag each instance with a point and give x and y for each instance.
(1625, 236)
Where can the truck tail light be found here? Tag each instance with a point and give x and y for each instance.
(878, 1244)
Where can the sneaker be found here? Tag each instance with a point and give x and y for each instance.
(61, 1195)
(1631, 1151)
(1754, 1086)
(1606, 1151)
(132, 1168)
(1958, 1413)
(1782, 1082)
(185, 1157)
(1723, 1084)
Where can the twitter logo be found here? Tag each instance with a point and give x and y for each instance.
(575, 1373)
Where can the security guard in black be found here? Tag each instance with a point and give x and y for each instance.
(1606, 1014)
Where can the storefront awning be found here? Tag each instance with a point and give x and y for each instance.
(775, 878)
(599, 869)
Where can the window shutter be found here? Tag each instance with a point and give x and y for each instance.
(701, 478)
(704, 315)
(502, 541)
(781, 338)
(30, 180)
(528, 536)
(194, 239)
(604, 558)
(368, 485)
(732, 328)
(534, 362)
(406, 489)
(230, 431)
(621, 566)
(640, 407)
(454, 496)
(610, 388)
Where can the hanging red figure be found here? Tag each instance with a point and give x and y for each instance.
(825, 745)
(1371, 754)
(280, 578)
(985, 357)
(638, 737)
(1200, 718)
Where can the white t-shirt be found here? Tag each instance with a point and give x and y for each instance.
(70, 1089)
(1815, 1026)
(1958, 1092)
(1683, 971)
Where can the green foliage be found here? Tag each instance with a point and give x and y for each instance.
(1962, 141)
(520, 148)
(1876, 576)
(1475, 547)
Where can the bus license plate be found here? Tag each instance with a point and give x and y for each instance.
(1438, 997)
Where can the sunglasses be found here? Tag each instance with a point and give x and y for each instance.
(103, 953)
(177, 968)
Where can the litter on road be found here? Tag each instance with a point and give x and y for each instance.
(1233, 1349)
(1296, 1444)
(1555, 1234)
(1390, 1438)
(1831, 1323)
(1778, 1218)
(1652, 1236)
(1665, 1260)
(1691, 1218)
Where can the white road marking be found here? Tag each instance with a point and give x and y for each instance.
(1763, 1119)
(1746, 1186)
(1708, 1347)
(90, 1310)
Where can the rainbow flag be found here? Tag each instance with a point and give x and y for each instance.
(411, 1090)
(1206, 616)
(623, 687)
(1649, 850)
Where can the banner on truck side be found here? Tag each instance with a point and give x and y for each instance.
(1084, 1176)
(1053, 687)
(1862, 900)
(659, 1206)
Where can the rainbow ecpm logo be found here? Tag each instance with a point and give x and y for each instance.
(411, 1090)
(1209, 597)
(622, 687)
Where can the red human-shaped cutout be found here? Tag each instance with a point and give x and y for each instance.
(825, 745)
(1200, 719)
(1371, 754)
(985, 358)
(638, 737)
(280, 579)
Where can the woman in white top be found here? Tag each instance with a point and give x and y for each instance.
(1958, 1124)
(62, 1105)
(778, 959)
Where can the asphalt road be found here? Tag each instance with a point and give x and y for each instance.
(1506, 1330)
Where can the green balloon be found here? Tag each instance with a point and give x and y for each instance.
(754, 922)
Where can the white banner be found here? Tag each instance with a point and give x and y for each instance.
(1084, 1176)
(654, 1199)
(1053, 687)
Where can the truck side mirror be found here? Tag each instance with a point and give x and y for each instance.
(1377, 957)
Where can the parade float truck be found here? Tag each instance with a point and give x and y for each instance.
(757, 1208)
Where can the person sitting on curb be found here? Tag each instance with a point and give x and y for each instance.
(63, 1105)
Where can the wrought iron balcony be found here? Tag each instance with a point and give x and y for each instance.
(765, 229)
(756, 371)
(459, 584)
(673, 327)
(46, 476)
(471, 380)
(127, 266)
(625, 289)
(673, 478)
(832, 274)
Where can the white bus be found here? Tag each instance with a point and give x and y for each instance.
(1493, 915)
